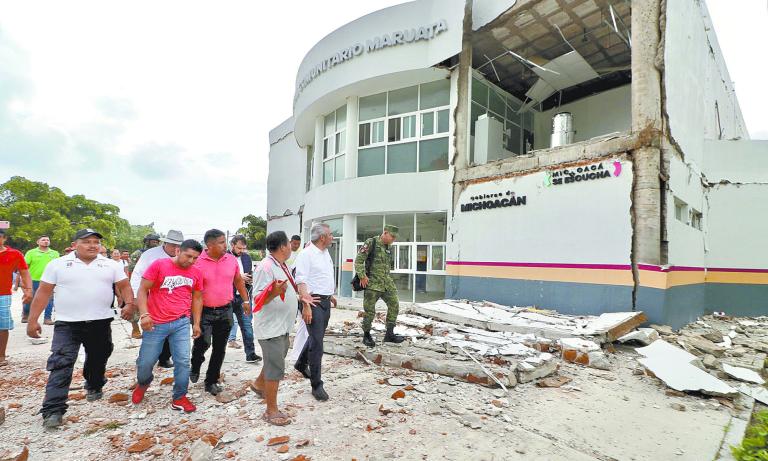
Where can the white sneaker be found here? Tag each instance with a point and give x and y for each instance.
(38, 341)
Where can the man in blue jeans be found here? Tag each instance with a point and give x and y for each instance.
(244, 321)
(170, 288)
(37, 259)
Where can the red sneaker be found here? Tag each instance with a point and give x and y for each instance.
(183, 404)
(138, 393)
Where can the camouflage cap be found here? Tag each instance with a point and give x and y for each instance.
(393, 230)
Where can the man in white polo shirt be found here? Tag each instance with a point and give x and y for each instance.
(83, 281)
(314, 277)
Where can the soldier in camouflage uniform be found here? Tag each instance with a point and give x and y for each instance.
(378, 283)
(150, 241)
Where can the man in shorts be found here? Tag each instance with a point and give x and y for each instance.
(274, 322)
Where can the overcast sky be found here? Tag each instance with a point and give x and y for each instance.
(164, 108)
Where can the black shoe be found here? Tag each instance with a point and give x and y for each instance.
(320, 394)
(165, 363)
(368, 339)
(53, 420)
(391, 337)
(303, 370)
(194, 376)
(252, 358)
(93, 395)
(213, 389)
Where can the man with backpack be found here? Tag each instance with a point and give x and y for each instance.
(372, 265)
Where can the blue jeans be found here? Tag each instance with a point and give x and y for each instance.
(48, 308)
(178, 334)
(245, 322)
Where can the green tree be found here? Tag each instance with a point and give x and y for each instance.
(131, 237)
(255, 231)
(34, 208)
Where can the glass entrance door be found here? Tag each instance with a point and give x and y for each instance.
(335, 252)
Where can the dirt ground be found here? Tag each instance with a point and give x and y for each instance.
(599, 415)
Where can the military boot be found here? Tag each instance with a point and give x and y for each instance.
(368, 339)
(390, 336)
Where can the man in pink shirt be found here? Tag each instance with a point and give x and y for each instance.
(220, 271)
(170, 288)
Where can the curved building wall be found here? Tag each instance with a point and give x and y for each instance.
(408, 37)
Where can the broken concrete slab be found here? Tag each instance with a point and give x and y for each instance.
(548, 324)
(411, 357)
(663, 329)
(644, 336)
(758, 393)
(743, 374)
(673, 366)
(527, 372)
(704, 345)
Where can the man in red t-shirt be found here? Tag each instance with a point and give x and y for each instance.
(169, 289)
(10, 261)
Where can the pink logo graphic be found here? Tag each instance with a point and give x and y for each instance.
(616, 169)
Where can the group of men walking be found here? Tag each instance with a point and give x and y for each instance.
(184, 297)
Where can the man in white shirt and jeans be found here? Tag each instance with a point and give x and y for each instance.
(83, 280)
(314, 277)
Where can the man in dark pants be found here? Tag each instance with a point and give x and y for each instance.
(83, 280)
(314, 277)
(245, 322)
(220, 272)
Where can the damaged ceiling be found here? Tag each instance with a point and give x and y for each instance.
(516, 50)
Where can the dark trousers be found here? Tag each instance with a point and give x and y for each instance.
(245, 325)
(215, 325)
(312, 353)
(96, 338)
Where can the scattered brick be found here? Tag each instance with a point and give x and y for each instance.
(412, 432)
(118, 397)
(283, 449)
(398, 394)
(259, 438)
(166, 381)
(210, 439)
(14, 405)
(76, 396)
(230, 454)
(142, 445)
(303, 443)
(278, 440)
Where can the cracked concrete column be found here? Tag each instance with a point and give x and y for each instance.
(646, 120)
(461, 114)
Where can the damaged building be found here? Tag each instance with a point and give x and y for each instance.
(587, 156)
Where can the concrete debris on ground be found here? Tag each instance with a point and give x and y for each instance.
(487, 343)
(729, 350)
(549, 324)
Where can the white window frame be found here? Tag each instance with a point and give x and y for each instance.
(331, 141)
(418, 136)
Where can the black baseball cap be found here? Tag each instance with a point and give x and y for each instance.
(151, 237)
(83, 233)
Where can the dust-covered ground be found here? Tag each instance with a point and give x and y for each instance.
(599, 415)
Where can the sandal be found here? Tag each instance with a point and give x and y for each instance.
(278, 419)
(258, 392)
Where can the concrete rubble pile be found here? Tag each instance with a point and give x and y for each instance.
(716, 355)
(488, 343)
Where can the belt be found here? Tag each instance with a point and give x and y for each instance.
(323, 297)
(217, 307)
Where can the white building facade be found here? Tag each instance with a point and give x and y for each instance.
(437, 116)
